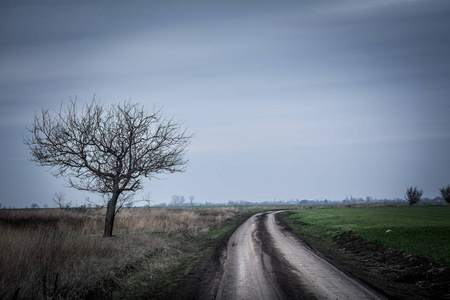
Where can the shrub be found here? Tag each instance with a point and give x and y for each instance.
(445, 192)
(413, 195)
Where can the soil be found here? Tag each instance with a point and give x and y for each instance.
(283, 273)
(392, 273)
(203, 280)
(263, 261)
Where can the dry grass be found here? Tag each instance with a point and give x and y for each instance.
(62, 254)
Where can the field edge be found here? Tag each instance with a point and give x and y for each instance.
(395, 274)
(196, 273)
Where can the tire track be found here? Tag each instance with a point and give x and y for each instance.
(266, 262)
(246, 275)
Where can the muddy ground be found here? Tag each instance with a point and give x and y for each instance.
(393, 274)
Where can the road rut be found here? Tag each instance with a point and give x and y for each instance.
(263, 261)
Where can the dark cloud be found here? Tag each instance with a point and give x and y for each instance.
(337, 97)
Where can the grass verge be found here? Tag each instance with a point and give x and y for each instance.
(419, 230)
(61, 254)
(401, 252)
(192, 270)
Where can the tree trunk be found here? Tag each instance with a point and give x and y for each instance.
(110, 214)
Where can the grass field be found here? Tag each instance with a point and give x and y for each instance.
(61, 254)
(418, 230)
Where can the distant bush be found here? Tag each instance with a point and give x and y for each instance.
(445, 192)
(413, 195)
(59, 198)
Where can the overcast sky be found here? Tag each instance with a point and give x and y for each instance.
(301, 99)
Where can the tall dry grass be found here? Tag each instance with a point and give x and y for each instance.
(55, 254)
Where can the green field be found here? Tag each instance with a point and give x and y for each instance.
(419, 230)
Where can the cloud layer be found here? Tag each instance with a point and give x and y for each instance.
(305, 99)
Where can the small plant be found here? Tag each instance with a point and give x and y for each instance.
(413, 195)
(445, 192)
(59, 198)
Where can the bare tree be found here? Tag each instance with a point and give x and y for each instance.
(413, 195)
(445, 192)
(177, 200)
(107, 151)
(147, 199)
(191, 199)
(59, 198)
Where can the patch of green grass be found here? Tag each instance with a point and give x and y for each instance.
(419, 230)
(216, 234)
(192, 251)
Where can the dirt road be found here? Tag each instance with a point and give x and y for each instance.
(266, 262)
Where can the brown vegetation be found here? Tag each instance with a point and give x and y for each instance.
(61, 253)
(108, 151)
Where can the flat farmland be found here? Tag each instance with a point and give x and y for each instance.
(177, 253)
(402, 251)
(420, 230)
(61, 254)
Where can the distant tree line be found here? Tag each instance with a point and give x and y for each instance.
(178, 200)
(412, 196)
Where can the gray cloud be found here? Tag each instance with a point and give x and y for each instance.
(332, 98)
